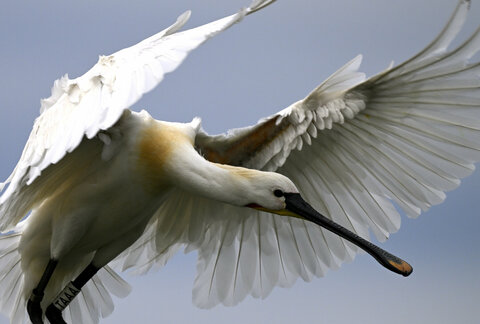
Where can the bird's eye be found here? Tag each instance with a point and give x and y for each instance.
(278, 193)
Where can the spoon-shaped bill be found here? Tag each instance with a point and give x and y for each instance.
(300, 208)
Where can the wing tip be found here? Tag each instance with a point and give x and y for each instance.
(466, 2)
(257, 5)
(179, 23)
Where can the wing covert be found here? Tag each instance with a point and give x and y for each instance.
(267, 145)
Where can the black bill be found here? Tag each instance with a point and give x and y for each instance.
(298, 206)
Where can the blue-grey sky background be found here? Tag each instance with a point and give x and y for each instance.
(254, 69)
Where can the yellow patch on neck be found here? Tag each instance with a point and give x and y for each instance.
(156, 145)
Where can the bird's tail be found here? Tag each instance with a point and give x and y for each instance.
(93, 302)
(11, 278)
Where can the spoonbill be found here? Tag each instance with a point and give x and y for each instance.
(214, 242)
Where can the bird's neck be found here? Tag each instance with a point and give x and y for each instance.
(219, 182)
(167, 158)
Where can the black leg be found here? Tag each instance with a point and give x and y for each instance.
(54, 310)
(33, 305)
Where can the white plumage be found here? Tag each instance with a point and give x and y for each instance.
(412, 157)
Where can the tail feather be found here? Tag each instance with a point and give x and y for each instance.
(95, 300)
(100, 288)
(11, 279)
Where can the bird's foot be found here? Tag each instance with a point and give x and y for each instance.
(54, 315)
(34, 309)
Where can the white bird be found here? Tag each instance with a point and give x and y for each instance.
(100, 179)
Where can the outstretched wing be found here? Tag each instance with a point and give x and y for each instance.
(408, 135)
(352, 147)
(84, 106)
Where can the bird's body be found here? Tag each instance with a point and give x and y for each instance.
(88, 223)
(104, 182)
(76, 222)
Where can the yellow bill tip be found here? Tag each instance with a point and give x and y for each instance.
(403, 267)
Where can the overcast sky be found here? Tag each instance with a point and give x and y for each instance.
(256, 68)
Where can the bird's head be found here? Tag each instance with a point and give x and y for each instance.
(267, 192)
(275, 193)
